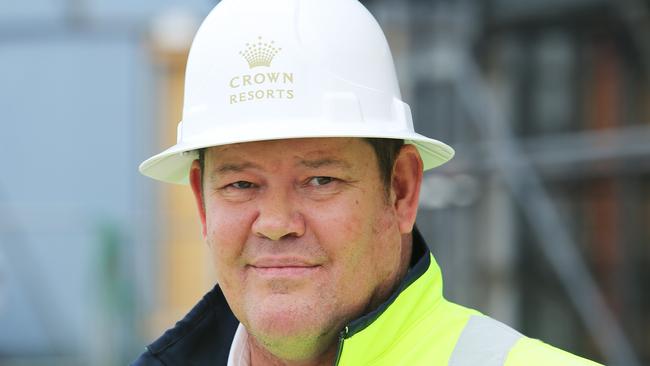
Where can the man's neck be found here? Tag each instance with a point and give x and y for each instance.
(260, 356)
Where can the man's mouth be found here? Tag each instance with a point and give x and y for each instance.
(283, 266)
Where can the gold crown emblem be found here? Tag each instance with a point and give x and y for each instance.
(259, 53)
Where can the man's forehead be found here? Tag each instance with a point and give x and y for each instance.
(343, 153)
(296, 149)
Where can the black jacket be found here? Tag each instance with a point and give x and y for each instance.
(203, 337)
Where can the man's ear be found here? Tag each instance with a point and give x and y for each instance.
(197, 188)
(405, 186)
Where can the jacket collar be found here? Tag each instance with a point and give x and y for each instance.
(419, 292)
(420, 263)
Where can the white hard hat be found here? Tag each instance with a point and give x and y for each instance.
(277, 69)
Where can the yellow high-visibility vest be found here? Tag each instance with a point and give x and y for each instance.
(418, 326)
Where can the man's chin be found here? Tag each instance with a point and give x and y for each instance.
(285, 316)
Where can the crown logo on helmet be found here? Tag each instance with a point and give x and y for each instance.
(259, 53)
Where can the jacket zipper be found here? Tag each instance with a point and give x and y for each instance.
(342, 335)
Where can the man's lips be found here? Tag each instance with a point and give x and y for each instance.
(283, 266)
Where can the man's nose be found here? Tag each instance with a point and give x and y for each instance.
(278, 218)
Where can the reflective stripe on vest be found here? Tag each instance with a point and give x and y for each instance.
(484, 341)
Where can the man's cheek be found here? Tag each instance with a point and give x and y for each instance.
(228, 227)
(347, 221)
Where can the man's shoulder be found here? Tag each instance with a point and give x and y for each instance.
(484, 338)
(203, 336)
(533, 352)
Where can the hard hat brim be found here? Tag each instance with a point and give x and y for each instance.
(173, 164)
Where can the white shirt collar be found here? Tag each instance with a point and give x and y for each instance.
(239, 353)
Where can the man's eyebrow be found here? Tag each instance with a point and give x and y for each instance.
(324, 162)
(232, 168)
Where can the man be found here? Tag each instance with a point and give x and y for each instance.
(306, 173)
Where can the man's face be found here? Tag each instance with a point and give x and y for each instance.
(302, 235)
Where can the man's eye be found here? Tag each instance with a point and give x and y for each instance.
(320, 181)
(242, 185)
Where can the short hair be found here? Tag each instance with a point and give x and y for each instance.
(386, 151)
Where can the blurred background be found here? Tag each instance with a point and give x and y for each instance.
(542, 220)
